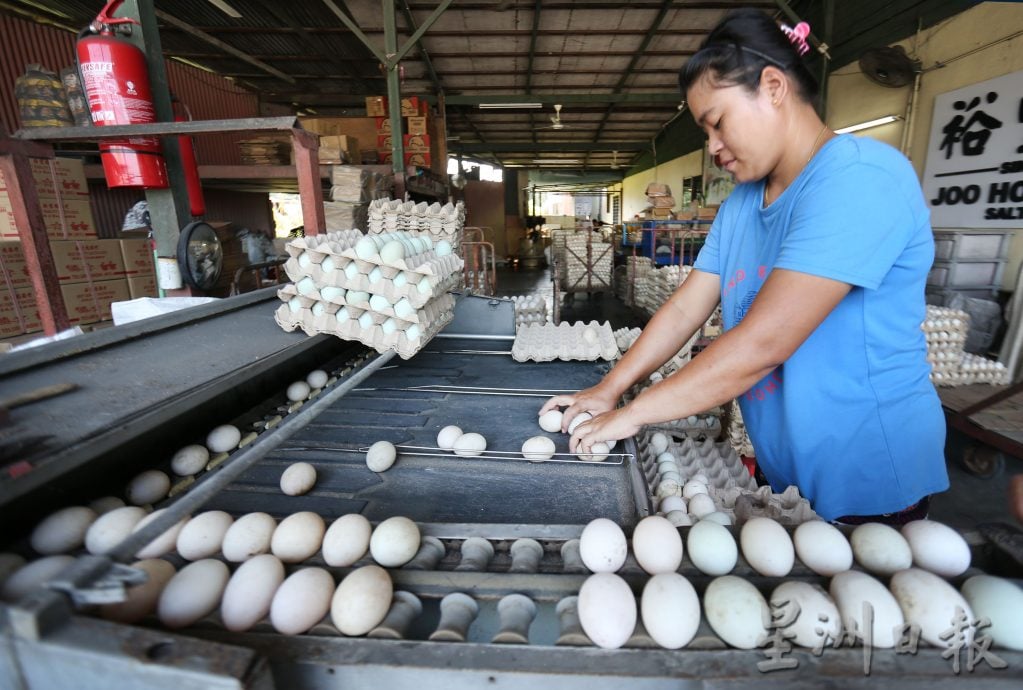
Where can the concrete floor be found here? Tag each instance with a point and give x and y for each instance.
(969, 501)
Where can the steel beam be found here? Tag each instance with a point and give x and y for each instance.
(353, 27)
(573, 146)
(411, 21)
(395, 58)
(532, 55)
(393, 91)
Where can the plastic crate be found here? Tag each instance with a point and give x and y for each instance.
(971, 246)
(957, 274)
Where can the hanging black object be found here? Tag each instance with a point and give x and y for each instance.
(889, 66)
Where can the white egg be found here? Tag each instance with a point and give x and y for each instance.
(149, 487)
(598, 453)
(298, 478)
(249, 536)
(851, 590)
(736, 611)
(538, 448)
(106, 504)
(602, 546)
(357, 297)
(880, 548)
(412, 332)
(380, 456)
(816, 617)
(190, 460)
(164, 543)
(298, 391)
(657, 545)
(250, 592)
(392, 252)
(346, 540)
(366, 248)
(33, 574)
(670, 610)
(400, 280)
(767, 547)
(203, 535)
(223, 439)
(447, 436)
(394, 542)
(929, 602)
(470, 445)
(822, 548)
(424, 286)
(718, 517)
(141, 600)
(577, 420)
(670, 503)
(404, 309)
(317, 378)
(298, 537)
(110, 529)
(332, 294)
(366, 321)
(362, 600)
(301, 601)
(607, 610)
(295, 305)
(442, 248)
(712, 548)
(351, 270)
(62, 531)
(550, 421)
(692, 488)
(194, 592)
(937, 547)
(702, 505)
(306, 286)
(1001, 602)
(379, 303)
(658, 443)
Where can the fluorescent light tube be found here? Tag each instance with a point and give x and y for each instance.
(868, 124)
(226, 9)
(495, 106)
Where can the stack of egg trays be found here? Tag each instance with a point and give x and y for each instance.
(307, 308)
(567, 342)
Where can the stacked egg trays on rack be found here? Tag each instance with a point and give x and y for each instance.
(636, 267)
(436, 221)
(946, 331)
(575, 274)
(529, 309)
(577, 341)
(386, 291)
(655, 287)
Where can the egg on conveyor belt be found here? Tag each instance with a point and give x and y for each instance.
(937, 547)
(538, 448)
(110, 529)
(394, 542)
(141, 600)
(607, 610)
(164, 543)
(33, 574)
(930, 603)
(223, 439)
(298, 478)
(598, 452)
(852, 590)
(194, 592)
(346, 540)
(298, 391)
(362, 600)
(712, 548)
(149, 487)
(190, 460)
(447, 436)
(822, 548)
(736, 611)
(301, 601)
(577, 420)
(880, 548)
(657, 545)
(380, 456)
(602, 546)
(470, 445)
(670, 610)
(767, 547)
(1001, 602)
(62, 531)
(816, 618)
(250, 591)
(203, 535)
(298, 537)
(550, 421)
(249, 536)
(317, 379)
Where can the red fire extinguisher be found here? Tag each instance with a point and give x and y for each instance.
(196, 202)
(116, 82)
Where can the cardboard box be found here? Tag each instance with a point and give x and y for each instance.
(422, 160)
(137, 256)
(13, 267)
(87, 260)
(324, 126)
(70, 219)
(385, 156)
(18, 311)
(53, 176)
(417, 125)
(384, 142)
(383, 125)
(416, 143)
(412, 106)
(339, 149)
(143, 286)
(376, 106)
(90, 302)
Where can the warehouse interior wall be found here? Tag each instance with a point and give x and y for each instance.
(992, 29)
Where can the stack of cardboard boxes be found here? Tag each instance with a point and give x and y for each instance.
(415, 139)
(91, 272)
(337, 145)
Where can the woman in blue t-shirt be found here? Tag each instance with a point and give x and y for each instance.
(819, 259)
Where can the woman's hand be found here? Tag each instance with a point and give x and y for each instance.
(609, 426)
(595, 400)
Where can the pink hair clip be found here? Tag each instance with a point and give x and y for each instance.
(797, 35)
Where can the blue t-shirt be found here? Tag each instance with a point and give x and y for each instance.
(851, 417)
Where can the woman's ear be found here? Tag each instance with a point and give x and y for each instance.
(774, 84)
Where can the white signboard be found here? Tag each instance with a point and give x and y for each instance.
(974, 172)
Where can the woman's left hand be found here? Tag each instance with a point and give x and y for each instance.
(610, 426)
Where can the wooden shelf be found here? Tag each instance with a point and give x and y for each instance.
(239, 178)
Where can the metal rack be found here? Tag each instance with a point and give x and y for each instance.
(589, 282)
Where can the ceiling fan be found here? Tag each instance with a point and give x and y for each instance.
(556, 122)
(614, 160)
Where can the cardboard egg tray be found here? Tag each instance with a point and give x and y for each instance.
(423, 315)
(786, 508)
(717, 461)
(566, 342)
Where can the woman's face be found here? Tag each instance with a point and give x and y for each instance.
(739, 127)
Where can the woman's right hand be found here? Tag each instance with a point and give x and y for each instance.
(595, 400)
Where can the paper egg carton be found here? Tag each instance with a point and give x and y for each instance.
(970, 369)
(412, 290)
(529, 309)
(787, 508)
(566, 342)
(625, 337)
(424, 314)
(655, 286)
(716, 461)
(438, 221)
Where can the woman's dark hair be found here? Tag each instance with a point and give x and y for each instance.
(739, 48)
